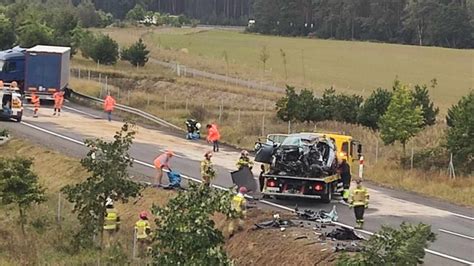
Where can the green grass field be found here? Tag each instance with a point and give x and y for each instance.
(355, 67)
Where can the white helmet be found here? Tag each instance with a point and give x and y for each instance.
(198, 125)
(109, 202)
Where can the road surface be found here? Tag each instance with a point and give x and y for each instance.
(453, 224)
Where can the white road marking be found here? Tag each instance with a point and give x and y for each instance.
(462, 216)
(456, 234)
(263, 201)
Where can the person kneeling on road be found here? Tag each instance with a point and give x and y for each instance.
(239, 205)
(359, 200)
(143, 234)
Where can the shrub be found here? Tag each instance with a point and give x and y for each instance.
(199, 113)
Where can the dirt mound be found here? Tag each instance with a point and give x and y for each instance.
(293, 246)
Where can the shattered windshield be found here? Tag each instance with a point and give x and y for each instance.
(292, 141)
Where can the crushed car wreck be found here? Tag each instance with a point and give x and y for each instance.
(304, 164)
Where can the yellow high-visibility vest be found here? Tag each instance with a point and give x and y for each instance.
(141, 228)
(359, 196)
(110, 222)
(238, 203)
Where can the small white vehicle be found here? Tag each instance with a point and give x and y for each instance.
(12, 106)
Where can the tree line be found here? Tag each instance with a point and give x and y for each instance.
(399, 114)
(447, 23)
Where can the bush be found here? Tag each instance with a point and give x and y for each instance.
(427, 159)
(390, 246)
(4, 133)
(199, 113)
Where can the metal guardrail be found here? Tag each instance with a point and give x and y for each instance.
(130, 110)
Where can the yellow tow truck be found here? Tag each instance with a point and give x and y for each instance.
(304, 165)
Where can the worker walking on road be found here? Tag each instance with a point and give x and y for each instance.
(344, 170)
(244, 160)
(162, 162)
(35, 100)
(109, 105)
(111, 222)
(239, 205)
(213, 136)
(359, 200)
(143, 234)
(208, 173)
(58, 102)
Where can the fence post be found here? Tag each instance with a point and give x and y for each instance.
(106, 85)
(128, 96)
(186, 107)
(148, 101)
(164, 104)
(411, 159)
(79, 73)
(451, 172)
(377, 151)
(238, 117)
(59, 208)
(134, 243)
(220, 110)
(100, 77)
(289, 126)
(263, 119)
(89, 74)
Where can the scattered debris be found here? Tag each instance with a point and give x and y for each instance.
(321, 216)
(344, 233)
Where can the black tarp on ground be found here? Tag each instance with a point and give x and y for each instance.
(244, 178)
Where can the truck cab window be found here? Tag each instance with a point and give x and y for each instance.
(2, 65)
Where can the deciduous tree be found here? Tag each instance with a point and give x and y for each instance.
(402, 120)
(186, 233)
(107, 164)
(19, 185)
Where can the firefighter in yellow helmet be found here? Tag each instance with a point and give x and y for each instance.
(244, 161)
(111, 222)
(238, 204)
(143, 234)
(359, 200)
(208, 173)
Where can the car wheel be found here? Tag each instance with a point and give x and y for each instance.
(18, 119)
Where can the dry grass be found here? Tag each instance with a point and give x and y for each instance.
(46, 243)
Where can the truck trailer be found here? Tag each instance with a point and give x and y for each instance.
(41, 69)
(304, 165)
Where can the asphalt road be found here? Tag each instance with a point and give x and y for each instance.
(453, 224)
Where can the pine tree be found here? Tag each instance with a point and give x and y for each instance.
(137, 54)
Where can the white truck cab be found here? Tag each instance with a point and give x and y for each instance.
(12, 105)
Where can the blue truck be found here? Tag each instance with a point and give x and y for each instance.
(41, 69)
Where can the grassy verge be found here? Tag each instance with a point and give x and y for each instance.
(46, 241)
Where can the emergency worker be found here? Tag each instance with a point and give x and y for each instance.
(109, 105)
(111, 222)
(244, 161)
(359, 200)
(344, 170)
(58, 102)
(213, 136)
(35, 100)
(143, 234)
(238, 204)
(208, 173)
